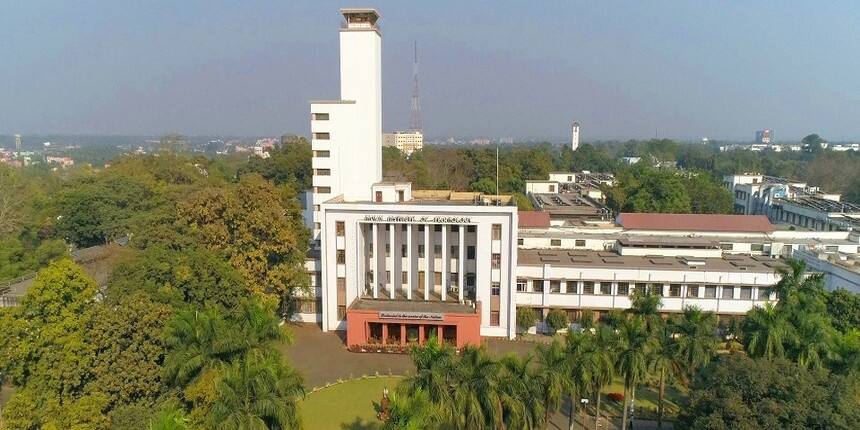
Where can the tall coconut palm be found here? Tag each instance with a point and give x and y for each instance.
(580, 353)
(793, 279)
(766, 330)
(197, 340)
(603, 369)
(522, 404)
(434, 375)
(171, 417)
(553, 375)
(476, 393)
(846, 352)
(258, 325)
(411, 412)
(259, 391)
(696, 338)
(646, 303)
(634, 347)
(666, 362)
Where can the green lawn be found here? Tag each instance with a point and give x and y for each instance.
(351, 405)
(646, 400)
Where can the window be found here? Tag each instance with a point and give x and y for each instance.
(400, 196)
(370, 251)
(470, 252)
(387, 276)
(656, 289)
(387, 227)
(322, 190)
(555, 242)
(339, 228)
(727, 246)
(322, 154)
(495, 289)
(437, 228)
(421, 227)
(317, 226)
(710, 291)
(316, 208)
(537, 285)
(420, 251)
(674, 290)
(692, 291)
(322, 136)
(522, 285)
(728, 292)
(554, 286)
(579, 242)
(623, 289)
(341, 312)
(497, 260)
(378, 198)
(404, 277)
(764, 293)
(403, 227)
(757, 247)
(320, 117)
(322, 172)
(341, 256)
(454, 279)
(605, 288)
(519, 241)
(470, 228)
(746, 293)
(552, 188)
(455, 250)
(341, 283)
(388, 250)
(437, 278)
(831, 248)
(437, 251)
(470, 279)
(403, 250)
(497, 232)
(494, 318)
(588, 287)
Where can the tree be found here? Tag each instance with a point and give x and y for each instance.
(707, 195)
(661, 192)
(526, 318)
(260, 229)
(634, 347)
(414, 412)
(646, 303)
(259, 391)
(696, 337)
(553, 374)
(843, 308)
(579, 350)
(434, 370)
(170, 417)
(667, 362)
(736, 392)
(288, 163)
(476, 391)
(192, 276)
(556, 320)
(766, 330)
(814, 340)
(522, 402)
(603, 368)
(794, 283)
(11, 200)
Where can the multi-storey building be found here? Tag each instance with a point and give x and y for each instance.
(406, 141)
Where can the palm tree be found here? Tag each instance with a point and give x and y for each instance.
(476, 393)
(259, 391)
(434, 375)
(522, 405)
(258, 325)
(667, 362)
(793, 280)
(634, 346)
(766, 330)
(846, 352)
(414, 412)
(646, 303)
(197, 341)
(553, 375)
(580, 351)
(814, 341)
(696, 337)
(170, 417)
(603, 364)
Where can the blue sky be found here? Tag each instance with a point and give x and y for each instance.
(490, 68)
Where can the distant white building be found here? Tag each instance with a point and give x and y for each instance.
(574, 136)
(406, 141)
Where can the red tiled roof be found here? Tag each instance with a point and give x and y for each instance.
(533, 219)
(696, 222)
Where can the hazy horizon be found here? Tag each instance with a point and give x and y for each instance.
(492, 69)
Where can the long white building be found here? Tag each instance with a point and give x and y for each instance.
(393, 266)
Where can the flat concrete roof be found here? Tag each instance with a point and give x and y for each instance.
(607, 259)
(418, 305)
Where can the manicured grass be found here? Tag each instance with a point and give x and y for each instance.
(646, 400)
(351, 405)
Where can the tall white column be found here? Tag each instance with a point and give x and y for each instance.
(376, 258)
(410, 255)
(394, 244)
(446, 262)
(461, 262)
(428, 261)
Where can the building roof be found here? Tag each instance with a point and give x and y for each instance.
(607, 259)
(696, 222)
(533, 219)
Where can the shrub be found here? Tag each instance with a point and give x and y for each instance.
(556, 320)
(586, 319)
(617, 397)
(526, 318)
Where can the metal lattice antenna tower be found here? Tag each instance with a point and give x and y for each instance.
(416, 104)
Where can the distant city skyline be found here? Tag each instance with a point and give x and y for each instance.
(495, 70)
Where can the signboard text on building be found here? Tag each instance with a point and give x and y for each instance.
(422, 219)
(425, 316)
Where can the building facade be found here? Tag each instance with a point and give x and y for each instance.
(405, 141)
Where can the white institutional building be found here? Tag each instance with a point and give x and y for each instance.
(394, 266)
(406, 141)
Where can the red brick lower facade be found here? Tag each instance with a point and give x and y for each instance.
(367, 329)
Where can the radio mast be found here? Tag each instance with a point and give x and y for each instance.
(416, 104)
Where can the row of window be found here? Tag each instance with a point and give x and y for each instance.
(557, 242)
(437, 252)
(626, 288)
